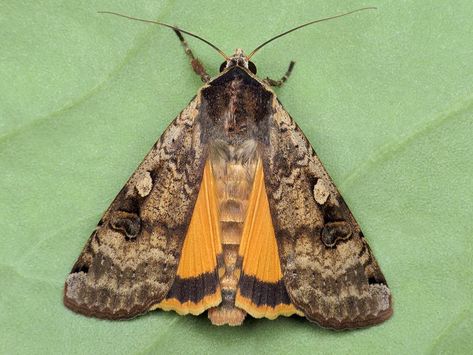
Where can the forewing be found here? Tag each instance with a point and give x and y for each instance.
(130, 261)
(329, 270)
(196, 286)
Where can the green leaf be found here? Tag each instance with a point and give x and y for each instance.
(386, 98)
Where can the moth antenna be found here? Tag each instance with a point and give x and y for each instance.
(168, 26)
(304, 25)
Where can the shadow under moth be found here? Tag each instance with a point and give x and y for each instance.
(231, 212)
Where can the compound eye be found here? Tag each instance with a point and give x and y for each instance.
(252, 67)
(222, 66)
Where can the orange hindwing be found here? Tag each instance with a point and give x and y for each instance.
(261, 291)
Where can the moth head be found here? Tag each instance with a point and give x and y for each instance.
(238, 59)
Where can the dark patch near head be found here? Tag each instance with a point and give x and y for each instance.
(193, 289)
(235, 107)
(263, 293)
(335, 231)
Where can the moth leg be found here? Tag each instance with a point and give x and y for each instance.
(197, 66)
(281, 81)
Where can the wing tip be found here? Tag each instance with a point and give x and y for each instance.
(358, 322)
(335, 324)
(71, 299)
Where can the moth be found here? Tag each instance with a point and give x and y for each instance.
(231, 212)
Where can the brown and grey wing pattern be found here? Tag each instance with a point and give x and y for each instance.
(329, 271)
(130, 261)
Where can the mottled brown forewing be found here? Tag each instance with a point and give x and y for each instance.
(329, 271)
(130, 261)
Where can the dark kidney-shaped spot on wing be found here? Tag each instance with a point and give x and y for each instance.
(127, 223)
(334, 232)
